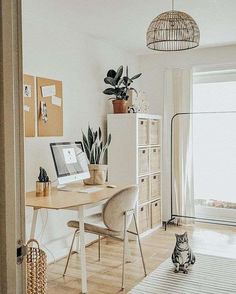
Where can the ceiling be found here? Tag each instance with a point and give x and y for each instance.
(124, 22)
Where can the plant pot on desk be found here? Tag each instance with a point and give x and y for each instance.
(43, 189)
(98, 174)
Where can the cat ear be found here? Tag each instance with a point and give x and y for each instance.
(186, 236)
(176, 235)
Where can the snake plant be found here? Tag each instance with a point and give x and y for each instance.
(95, 146)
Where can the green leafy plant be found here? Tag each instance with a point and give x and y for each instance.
(95, 146)
(120, 85)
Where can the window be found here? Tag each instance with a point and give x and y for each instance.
(214, 145)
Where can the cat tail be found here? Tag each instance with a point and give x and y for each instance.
(193, 260)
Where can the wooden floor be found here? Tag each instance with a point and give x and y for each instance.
(105, 276)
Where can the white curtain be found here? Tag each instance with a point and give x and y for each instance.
(178, 99)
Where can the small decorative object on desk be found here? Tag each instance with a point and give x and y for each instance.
(120, 87)
(95, 148)
(43, 185)
(182, 256)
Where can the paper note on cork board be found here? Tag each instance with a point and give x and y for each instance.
(29, 105)
(48, 91)
(51, 93)
(56, 101)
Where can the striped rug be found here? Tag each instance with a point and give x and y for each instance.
(209, 275)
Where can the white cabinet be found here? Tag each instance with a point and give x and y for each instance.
(134, 158)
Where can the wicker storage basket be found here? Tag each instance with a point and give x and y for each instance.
(36, 269)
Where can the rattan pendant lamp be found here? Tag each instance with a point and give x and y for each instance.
(173, 31)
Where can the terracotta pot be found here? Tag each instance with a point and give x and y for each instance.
(120, 106)
(98, 174)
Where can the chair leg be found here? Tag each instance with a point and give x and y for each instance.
(139, 243)
(99, 248)
(128, 253)
(124, 253)
(71, 247)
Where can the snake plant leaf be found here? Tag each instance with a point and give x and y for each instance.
(111, 73)
(90, 137)
(109, 140)
(86, 146)
(99, 133)
(98, 152)
(84, 139)
(93, 157)
(95, 135)
(136, 76)
(109, 91)
(95, 153)
(92, 160)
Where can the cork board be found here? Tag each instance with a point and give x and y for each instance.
(29, 105)
(50, 101)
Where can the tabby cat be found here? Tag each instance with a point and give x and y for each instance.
(182, 256)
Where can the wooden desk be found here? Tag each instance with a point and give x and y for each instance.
(67, 200)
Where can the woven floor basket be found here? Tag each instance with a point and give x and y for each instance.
(36, 269)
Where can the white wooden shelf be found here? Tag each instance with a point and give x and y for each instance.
(149, 174)
(134, 154)
(149, 201)
(149, 146)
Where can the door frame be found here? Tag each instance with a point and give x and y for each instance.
(12, 190)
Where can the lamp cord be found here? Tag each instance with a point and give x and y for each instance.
(172, 4)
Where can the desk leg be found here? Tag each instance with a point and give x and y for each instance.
(34, 222)
(82, 250)
(77, 240)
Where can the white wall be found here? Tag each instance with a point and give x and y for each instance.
(53, 47)
(153, 67)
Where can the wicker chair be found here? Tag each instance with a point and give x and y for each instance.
(114, 222)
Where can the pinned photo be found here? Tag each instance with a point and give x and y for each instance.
(27, 91)
(44, 111)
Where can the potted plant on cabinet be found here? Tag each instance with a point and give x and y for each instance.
(95, 148)
(120, 86)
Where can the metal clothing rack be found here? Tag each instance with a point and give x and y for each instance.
(174, 216)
